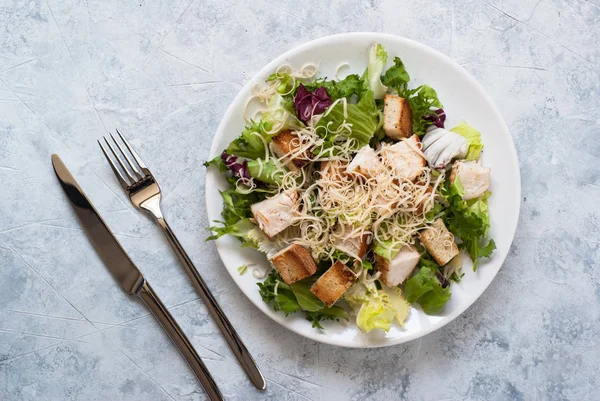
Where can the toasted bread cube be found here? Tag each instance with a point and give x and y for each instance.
(275, 214)
(333, 284)
(439, 242)
(355, 246)
(397, 270)
(397, 117)
(405, 158)
(332, 169)
(474, 178)
(294, 263)
(365, 163)
(287, 142)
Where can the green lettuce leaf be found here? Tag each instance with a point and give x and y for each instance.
(297, 297)
(396, 76)
(473, 137)
(386, 249)
(248, 144)
(425, 289)
(269, 173)
(377, 308)
(280, 114)
(364, 116)
(468, 220)
(351, 85)
(218, 163)
(377, 59)
(422, 101)
(375, 313)
(306, 299)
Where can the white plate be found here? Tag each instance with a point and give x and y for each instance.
(464, 99)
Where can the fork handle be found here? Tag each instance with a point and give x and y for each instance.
(235, 342)
(166, 320)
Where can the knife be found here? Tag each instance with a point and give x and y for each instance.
(128, 275)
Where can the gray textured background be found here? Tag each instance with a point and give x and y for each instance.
(165, 71)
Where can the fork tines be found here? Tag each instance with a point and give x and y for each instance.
(135, 172)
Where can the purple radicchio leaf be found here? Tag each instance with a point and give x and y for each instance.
(443, 281)
(308, 103)
(238, 167)
(438, 118)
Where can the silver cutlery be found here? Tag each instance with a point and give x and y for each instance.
(128, 275)
(145, 194)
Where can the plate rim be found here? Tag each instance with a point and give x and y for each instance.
(374, 36)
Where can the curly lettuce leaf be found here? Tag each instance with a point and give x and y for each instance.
(218, 163)
(377, 59)
(351, 85)
(377, 308)
(423, 101)
(396, 76)
(473, 137)
(425, 289)
(468, 220)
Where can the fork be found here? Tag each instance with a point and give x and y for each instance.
(144, 192)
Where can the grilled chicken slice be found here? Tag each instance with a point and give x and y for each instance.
(474, 178)
(405, 158)
(275, 214)
(397, 270)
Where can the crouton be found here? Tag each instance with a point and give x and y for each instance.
(405, 158)
(474, 178)
(397, 117)
(294, 263)
(275, 214)
(365, 163)
(332, 285)
(332, 169)
(397, 270)
(287, 142)
(355, 246)
(439, 242)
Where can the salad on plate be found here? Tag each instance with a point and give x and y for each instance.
(360, 197)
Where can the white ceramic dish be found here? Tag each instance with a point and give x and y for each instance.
(464, 99)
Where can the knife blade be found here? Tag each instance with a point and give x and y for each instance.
(127, 274)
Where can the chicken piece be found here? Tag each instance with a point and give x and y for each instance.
(287, 142)
(355, 246)
(397, 270)
(405, 158)
(439, 242)
(441, 146)
(294, 263)
(275, 214)
(397, 117)
(474, 178)
(365, 162)
(333, 284)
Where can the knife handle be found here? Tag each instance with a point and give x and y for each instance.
(166, 320)
(231, 336)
